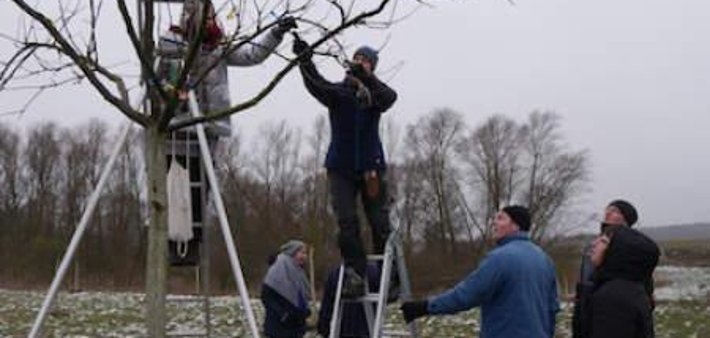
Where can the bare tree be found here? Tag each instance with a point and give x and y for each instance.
(43, 156)
(315, 187)
(12, 194)
(507, 162)
(432, 141)
(61, 44)
(556, 176)
(82, 158)
(490, 157)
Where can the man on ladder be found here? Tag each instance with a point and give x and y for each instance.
(355, 160)
(357, 170)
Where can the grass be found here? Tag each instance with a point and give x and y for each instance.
(120, 315)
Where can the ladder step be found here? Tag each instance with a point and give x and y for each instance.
(186, 299)
(368, 298)
(396, 334)
(376, 257)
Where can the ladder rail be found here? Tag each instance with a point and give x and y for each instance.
(223, 221)
(393, 253)
(383, 292)
(337, 306)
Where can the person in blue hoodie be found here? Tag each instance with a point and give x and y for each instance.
(514, 285)
(355, 160)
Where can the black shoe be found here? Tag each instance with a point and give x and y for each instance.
(353, 285)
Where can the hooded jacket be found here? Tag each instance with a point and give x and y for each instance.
(619, 306)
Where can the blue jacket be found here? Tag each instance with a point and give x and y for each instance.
(355, 140)
(515, 287)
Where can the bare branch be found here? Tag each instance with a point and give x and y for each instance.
(281, 74)
(147, 66)
(86, 66)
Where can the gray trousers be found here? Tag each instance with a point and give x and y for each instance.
(345, 189)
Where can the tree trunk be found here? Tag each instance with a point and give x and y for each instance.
(157, 259)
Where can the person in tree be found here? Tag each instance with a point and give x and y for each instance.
(208, 78)
(215, 54)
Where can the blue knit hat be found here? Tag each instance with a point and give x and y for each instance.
(370, 54)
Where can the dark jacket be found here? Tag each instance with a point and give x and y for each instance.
(619, 305)
(516, 288)
(353, 323)
(283, 319)
(585, 286)
(355, 144)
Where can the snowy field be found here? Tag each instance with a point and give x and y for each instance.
(683, 311)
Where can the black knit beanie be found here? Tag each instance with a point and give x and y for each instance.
(627, 210)
(520, 215)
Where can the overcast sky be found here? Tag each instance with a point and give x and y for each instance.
(630, 78)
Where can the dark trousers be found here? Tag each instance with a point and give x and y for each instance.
(345, 189)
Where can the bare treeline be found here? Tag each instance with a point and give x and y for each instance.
(447, 179)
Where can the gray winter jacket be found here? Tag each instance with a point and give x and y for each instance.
(212, 91)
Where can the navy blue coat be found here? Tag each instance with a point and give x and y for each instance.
(355, 140)
(283, 319)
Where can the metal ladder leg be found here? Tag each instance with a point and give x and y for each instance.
(393, 253)
(224, 223)
(337, 305)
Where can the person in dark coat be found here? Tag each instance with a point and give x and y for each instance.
(353, 323)
(618, 213)
(285, 293)
(619, 305)
(355, 160)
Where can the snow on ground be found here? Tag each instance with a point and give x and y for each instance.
(683, 311)
(682, 283)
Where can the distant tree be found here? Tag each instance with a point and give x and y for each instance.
(431, 143)
(59, 43)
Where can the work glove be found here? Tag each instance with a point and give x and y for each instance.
(414, 309)
(285, 24)
(358, 71)
(301, 49)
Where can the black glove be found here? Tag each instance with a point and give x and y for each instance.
(414, 310)
(358, 71)
(301, 49)
(285, 24)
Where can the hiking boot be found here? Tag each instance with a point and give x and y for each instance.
(353, 285)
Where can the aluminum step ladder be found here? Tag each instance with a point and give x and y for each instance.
(376, 322)
(190, 158)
